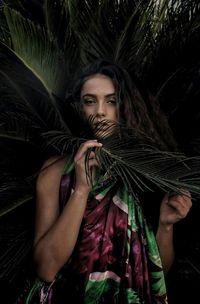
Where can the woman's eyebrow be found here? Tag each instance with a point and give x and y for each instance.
(94, 95)
(111, 95)
(89, 95)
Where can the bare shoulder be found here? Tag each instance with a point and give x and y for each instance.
(51, 173)
(53, 163)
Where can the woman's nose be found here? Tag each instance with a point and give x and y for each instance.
(101, 111)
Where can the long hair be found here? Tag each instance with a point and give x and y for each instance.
(135, 110)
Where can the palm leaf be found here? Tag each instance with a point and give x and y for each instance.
(135, 160)
(38, 51)
(143, 167)
(16, 242)
(136, 38)
(18, 80)
(140, 22)
(44, 48)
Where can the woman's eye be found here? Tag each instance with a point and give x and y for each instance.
(88, 101)
(112, 101)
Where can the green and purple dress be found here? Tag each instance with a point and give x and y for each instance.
(116, 258)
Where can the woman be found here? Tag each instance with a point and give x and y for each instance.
(96, 246)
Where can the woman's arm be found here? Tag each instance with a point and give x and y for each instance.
(173, 209)
(56, 234)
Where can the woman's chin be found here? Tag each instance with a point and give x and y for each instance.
(100, 134)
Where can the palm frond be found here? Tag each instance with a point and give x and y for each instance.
(45, 44)
(134, 159)
(24, 88)
(16, 241)
(143, 167)
(173, 39)
(14, 204)
(38, 51)
(147, 18)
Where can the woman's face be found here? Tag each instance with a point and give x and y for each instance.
(98, 97)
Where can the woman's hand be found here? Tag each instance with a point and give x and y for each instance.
(174, 208)
(83, 182)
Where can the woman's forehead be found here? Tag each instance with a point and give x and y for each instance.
(97, 83)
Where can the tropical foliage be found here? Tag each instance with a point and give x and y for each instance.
(44, 45)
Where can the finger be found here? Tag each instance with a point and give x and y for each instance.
(90, 163)
(185, 199)
(84, 147)
(93, 163)
(179, 205)
(90, 171)
(183, 192)
(186, 192)
(91, 155)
